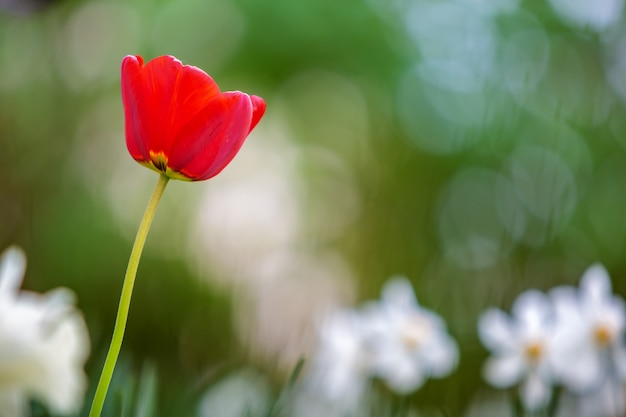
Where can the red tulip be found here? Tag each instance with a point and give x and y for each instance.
(177, 120)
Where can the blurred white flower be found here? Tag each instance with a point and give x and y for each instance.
(43, 344)
(342, 365)
(308, 285)
(394, 339)
(521, 348)
(244, 392)
(410, 343)
(596, 14)
(590, 336)
(608, 400)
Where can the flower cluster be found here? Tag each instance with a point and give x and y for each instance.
(394, 339)
(570, 337)
(43, 345)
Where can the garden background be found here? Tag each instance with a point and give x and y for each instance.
(477, 147)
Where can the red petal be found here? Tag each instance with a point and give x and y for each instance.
(159, 100)
(132, 99)
(213, 137)
(258, 110)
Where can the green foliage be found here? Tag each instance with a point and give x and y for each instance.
(476, 186)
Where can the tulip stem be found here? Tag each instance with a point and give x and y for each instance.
(127, 291)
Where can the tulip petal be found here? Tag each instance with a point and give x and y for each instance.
(211, 139)
(133, 98)
(159, 100)
(258, 110)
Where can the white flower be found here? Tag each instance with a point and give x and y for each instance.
(339, 371)
(394, 339)
(410, 343)
(607, 400)
(241, 393)
(43, 344)
(597, 14)
(342, 364)
(521, 348)
(590, 337)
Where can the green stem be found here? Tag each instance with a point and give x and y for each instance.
(127, 292)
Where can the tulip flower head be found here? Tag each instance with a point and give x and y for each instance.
(177, 120)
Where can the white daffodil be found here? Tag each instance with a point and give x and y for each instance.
(410, 343)
(43, 344)
(394, 339)
(590, 336)
(241, 393)
(606, 400)
(342, 365)
(521, 348)
(597, 15)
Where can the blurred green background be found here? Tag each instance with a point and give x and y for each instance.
(475, 146)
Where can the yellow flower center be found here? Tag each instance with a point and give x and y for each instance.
(416, 332)
(159, 161)
(534, 352)
(602, 335)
